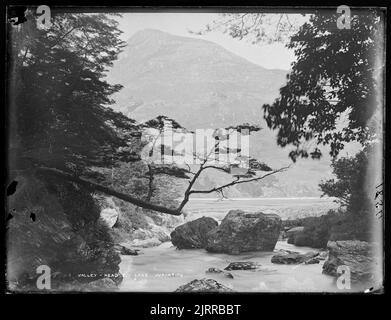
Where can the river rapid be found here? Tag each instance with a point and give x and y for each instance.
(164, 268)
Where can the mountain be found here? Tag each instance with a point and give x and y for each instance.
(188, 78)
(202, 85)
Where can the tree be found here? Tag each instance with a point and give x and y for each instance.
(58, 94)
(157, 125)
(206, 158)
(336, 76)
(333, 79)
(348, 187)
(60, 122)
(333, 96)
(256, 27)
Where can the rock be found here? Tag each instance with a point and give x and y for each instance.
(122, 249)
(283, 251)
(109, 216)
(156, 232)
(248, 265)
(192, 234)
(294, 258)
(312, 261)
(243, 231)
(147, 243)
(315, 232)
(203, 285)
(129, 252)
(309, 238)
(218, 271)
(357, 255)
(68, 235)
(294, 230)
(323, 255)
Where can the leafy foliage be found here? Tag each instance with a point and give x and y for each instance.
(61, 122)
(349, 184)
(59, 96)
(333, 77)
(256, 27)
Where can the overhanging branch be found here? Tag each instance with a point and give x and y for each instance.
(97, 187)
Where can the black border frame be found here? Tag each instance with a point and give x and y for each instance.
(251, 302)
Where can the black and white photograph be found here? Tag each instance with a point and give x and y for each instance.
(176, 150)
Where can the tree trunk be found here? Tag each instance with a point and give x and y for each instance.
(91, 186)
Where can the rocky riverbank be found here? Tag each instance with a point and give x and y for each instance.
(54, 224)
(136, 227)
(241, 232)
(358, 258)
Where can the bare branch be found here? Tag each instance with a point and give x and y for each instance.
(238, 181)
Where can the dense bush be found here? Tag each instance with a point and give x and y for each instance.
(351, 189)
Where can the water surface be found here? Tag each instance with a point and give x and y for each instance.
(164, 268)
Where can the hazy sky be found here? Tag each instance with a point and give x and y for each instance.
(273, 56)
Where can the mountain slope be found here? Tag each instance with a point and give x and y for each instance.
(202, 85)
(181, 77)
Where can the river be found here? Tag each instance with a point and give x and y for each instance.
(164, 268)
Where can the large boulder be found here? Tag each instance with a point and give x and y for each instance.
(192, 234)
(357, 255)
(315, 233)
(245, 231)
(203, 285)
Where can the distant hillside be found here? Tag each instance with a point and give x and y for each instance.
(188, 79)
(202, 85)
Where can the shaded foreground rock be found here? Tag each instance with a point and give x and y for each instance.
(221, 272)
(357, 255)
(67, 235)
(247, 265)
(295, 258)
(193, 234)
(203, 285)
(245, 231)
